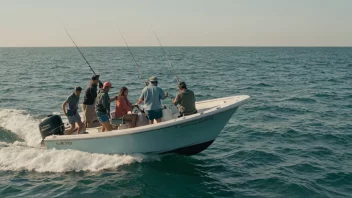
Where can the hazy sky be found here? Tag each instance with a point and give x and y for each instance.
(178, 22)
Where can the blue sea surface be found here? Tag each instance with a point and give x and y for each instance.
(293, 139)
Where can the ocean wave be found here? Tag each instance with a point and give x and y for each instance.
(348, 96)
(336, 179)
(22, 124)
(263, 85)
(245, 88)
(257, 157)
(302, 99)
(9, 99)
(8, 136)
(294, 135)
(348, 106)
(267, 61)
(333, 80)
(278, 187)
(325, 95)
(251, 64)
(321, 151)
(305, 167)
(281, 108)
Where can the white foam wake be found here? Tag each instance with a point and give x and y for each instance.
(22, 124)
(29, 156)
(19, 158)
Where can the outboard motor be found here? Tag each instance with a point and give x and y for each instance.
(52, 125)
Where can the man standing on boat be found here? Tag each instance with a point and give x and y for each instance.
(90, 95)
(103, 106)
(152, 96)
(185, 100)
(72, 111)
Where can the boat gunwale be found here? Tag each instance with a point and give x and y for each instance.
(163, 125)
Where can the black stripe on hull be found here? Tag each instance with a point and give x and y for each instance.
(191, 150)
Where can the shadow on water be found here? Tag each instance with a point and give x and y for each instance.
(147, 179)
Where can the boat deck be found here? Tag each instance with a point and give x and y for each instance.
(171, 113)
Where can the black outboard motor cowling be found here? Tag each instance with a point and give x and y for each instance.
(52, 125)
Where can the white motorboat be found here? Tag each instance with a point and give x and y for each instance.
(186, 135)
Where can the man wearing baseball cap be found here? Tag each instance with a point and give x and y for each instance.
(152, 96)
(185, 100)
(103, 107)
(97, 76)
(72, 111)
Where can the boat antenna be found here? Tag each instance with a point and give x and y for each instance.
(137, 66)
(79, 51)
(168, 59)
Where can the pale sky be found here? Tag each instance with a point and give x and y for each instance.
(177, 22)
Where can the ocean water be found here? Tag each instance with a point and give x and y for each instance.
(293, 139)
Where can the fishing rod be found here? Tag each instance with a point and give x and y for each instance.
(166, 56)
(79, 51)
(140, 72)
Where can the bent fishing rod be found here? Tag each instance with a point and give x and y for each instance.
(80, 51)
(137, 66)
(178, 80)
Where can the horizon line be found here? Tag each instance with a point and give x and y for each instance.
(258, 46)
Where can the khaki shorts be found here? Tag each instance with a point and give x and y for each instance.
(89, 113)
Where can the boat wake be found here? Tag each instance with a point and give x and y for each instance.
(25, 154)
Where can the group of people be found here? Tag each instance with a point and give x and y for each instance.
(96, 104)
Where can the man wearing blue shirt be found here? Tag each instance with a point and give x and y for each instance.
(152, 96)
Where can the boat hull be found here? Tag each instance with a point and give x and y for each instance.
(188, 138)
(192, 150)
